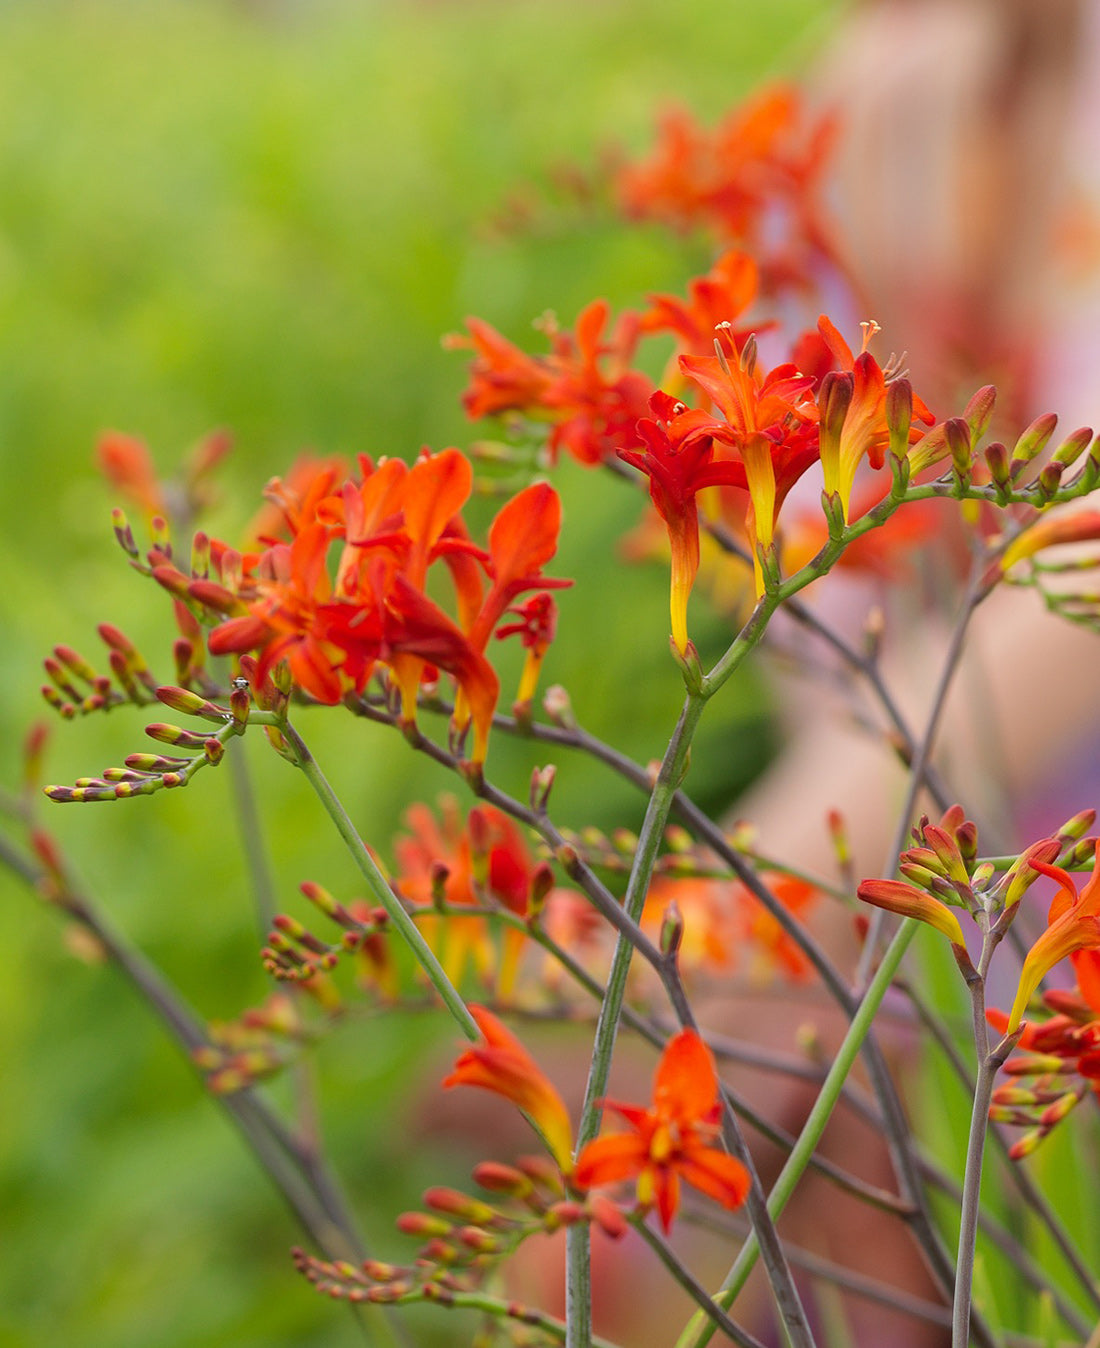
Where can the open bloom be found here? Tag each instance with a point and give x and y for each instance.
(502, 1065)
(1073, 924)
(674, 1140)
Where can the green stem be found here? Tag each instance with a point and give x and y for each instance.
(988, 1065)
(694, 1289)
(649, 839)
(380, 890)
(699, 1330)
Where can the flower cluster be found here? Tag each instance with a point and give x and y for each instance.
(344, 593)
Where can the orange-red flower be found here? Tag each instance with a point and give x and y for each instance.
(714, 301)
(476, 861)
(585, 387)
(674, 1140)
(127, 464)
(854, 413)
(1073, 924)
(771, 421)
(502, 1065)
(348, 593)
(680, 461)
(756, 170)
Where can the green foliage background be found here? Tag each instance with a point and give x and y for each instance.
(263, 216)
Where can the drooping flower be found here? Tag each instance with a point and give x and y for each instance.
(675, 1140)
(679, 461)
(897, 896)
(500, 1063)
(1073, 924)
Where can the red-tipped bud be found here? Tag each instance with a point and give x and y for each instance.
(607, 1216)
(1076, 827)
(191, 704)
(174, 735)
(422, 1225)
(1073, 446)
(1032, 441)
(542, 782)
(996, 458)
(672, 931)
(558, 707)
(979, 412)
(502, 1179)
(542, 883)
(899, 416)
(957, 433)
(457, 1204)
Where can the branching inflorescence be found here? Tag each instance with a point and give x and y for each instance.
(363, 589)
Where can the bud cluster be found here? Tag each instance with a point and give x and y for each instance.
(293, 954)
(253, 1048)
(465, 1238)
(1059, 1063)
(943, 871)
(77, 687)
(145, 773)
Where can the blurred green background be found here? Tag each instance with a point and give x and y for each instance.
(263, 217)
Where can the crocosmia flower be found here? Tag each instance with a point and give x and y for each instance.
(1073, 924)
(675, 1140)
(500, 1063)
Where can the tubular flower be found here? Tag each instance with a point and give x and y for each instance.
(854, 412)
(1078, 526)
(502, 1065)
(537, 620)
(672, 1141)
(771, 422)
(1073, 924)
(898, 897)
(679, 461)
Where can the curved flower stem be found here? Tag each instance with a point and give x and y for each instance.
(380, 890)
(694, 1289)
(649, 839)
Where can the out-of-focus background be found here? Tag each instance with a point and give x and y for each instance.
(263, 217)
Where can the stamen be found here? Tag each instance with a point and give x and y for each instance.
(870, 327)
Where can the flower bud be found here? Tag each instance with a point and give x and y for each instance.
(190, 704)
(979, 412)
(1032, 441)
